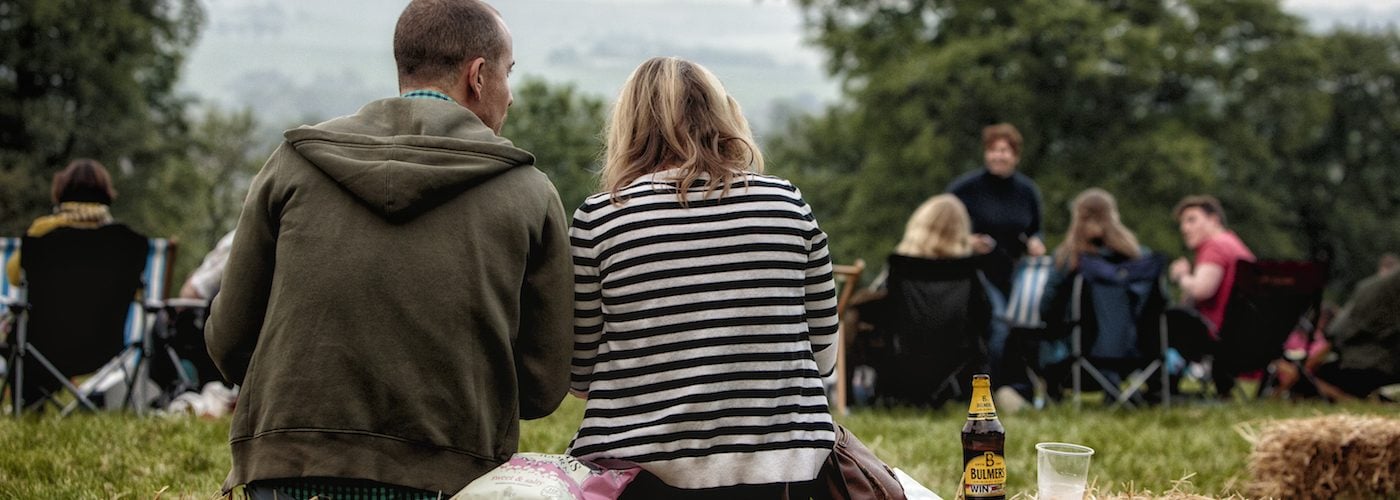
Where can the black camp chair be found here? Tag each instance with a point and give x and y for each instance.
(1118, 328)
(929, 331)
(80, 286)
(1265, 303)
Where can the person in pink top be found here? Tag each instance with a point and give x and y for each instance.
(1207, 283)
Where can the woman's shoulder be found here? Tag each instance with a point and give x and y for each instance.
(768, 181)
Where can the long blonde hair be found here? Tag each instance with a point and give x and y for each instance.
(674, 113)
(1095, 224)
(940, 228)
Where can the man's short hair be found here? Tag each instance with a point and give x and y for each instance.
(434, 37)
(1205, 202)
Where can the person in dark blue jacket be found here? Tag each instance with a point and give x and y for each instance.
(1004, 206)
(1096, 236)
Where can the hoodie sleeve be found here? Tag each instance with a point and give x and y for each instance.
(236, 316)
(544, 343)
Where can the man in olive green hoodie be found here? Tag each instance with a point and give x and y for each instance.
(399, 292)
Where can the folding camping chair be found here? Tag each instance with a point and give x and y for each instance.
(1118, 325)
(1265, 303)
(11, 304)
(77, 315)
(849, 275)
(929, 330)
(180, 358)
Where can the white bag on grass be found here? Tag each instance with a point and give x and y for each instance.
(912, 489)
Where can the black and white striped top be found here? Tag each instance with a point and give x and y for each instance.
(701, 333)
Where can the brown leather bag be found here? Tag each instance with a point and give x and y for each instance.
(853, 472)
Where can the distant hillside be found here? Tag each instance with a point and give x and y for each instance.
(311, 59)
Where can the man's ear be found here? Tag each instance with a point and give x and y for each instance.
(473, 77)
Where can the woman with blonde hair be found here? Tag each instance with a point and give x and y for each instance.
(925, 329)
(939, 229)
(705, 311)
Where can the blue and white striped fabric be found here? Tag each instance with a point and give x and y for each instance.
(158, 252)
(9, 294)
(1023, 307)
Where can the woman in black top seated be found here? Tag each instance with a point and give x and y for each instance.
(82, 270)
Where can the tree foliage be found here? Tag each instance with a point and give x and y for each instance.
(90, 79)
(1150, 100)
(97, 80)
(561, 126)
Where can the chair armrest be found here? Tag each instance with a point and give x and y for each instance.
(182, 302)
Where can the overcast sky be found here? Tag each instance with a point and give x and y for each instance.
(314, 59)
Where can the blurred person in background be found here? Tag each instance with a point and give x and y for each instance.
(1206, 283)
(1005, 208)
(1365, 338)
(1095, 229)
(81, 243)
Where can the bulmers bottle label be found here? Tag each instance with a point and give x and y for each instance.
(981, 407)
(984, 475)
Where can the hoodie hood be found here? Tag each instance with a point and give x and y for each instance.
(401, 156)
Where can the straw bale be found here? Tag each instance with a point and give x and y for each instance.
(1337, 456)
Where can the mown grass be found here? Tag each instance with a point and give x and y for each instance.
(123, 456)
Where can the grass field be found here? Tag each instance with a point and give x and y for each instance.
(123, 456)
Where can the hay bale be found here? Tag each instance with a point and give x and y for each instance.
(1335, 456)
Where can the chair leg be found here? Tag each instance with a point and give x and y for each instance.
(93, 383)
(1110, 390)
(17, 361)
(13, 376)
(11, 369)
(1074, 375)
(1163, 344)
(81, 398)
(1039, 388)
(1137, 380)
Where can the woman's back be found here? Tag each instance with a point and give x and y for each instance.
(703, 331)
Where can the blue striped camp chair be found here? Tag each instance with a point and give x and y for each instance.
(10, 295)
(121, 380)
(126, 379)
(1027, 290)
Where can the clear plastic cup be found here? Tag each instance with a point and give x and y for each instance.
(1061, 470)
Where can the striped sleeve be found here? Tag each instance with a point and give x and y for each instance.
(821, 296)
(588, 305)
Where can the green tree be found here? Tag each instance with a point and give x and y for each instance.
(1352, 199)
(202, 188)
(563, 128)
(226, 152)
(1150, 100)
(89, 79)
